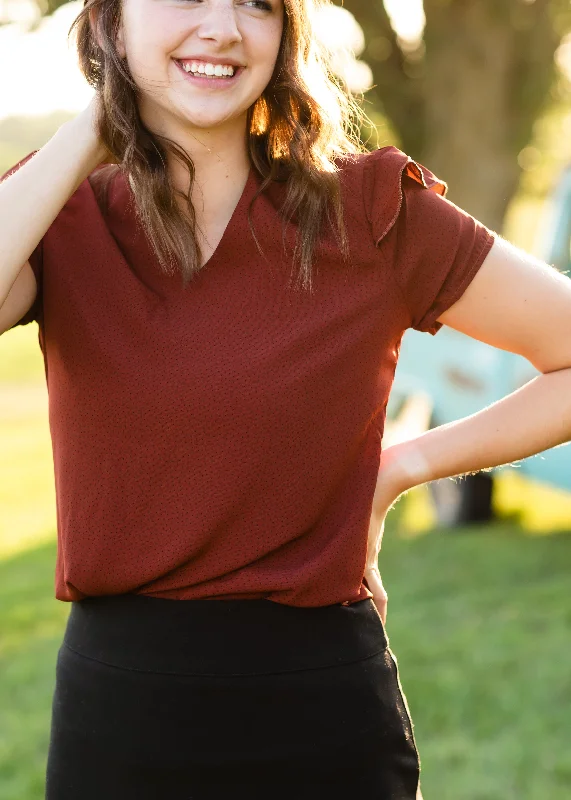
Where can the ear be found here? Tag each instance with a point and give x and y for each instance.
(119, 43)
(94, 28)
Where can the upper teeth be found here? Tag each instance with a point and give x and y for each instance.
(207, 69)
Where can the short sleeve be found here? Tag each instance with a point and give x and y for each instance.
(35, 259)
(436, 248)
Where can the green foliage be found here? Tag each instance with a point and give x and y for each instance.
(49, 6)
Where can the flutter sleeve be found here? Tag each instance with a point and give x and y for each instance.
(35, 259)
(435, 247)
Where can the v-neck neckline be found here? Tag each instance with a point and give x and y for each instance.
(235, 218)
(237, 212)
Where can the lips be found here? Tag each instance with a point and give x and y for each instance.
(209, 60)
(202, 78)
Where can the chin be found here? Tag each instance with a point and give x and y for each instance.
(206, 121)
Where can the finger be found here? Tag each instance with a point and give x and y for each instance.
(380, 596)
(381, 606)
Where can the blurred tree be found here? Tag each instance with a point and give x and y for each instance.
(465, 98)
(49, 6)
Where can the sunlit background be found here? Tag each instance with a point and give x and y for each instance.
(43, 67)
(479, 609)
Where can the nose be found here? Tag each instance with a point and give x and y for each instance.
(219, 24)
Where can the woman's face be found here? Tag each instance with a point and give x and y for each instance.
(158, 37)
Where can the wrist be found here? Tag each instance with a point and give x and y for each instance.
(405, 466)
(85, 150)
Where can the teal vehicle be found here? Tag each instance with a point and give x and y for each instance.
(459, 376)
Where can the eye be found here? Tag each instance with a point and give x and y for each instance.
(263, 4)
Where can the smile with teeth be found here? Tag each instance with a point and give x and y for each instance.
(208, 70)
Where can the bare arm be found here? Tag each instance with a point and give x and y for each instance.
(518, 304)
(523, 306)
(31, 199)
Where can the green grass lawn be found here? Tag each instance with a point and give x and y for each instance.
(479, 619)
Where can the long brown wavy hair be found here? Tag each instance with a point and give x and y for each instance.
(305, 119)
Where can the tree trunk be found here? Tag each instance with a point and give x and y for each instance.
(477, 118)
(465, 102)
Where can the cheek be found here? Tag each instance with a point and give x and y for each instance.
(152, 38)
(268, 50)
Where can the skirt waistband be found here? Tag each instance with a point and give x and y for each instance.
(221, 637)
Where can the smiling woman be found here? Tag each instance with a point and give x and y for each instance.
(212, 519)
(221, 479)
(281, 98)
(217, 433)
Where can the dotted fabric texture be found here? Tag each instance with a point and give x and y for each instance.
(223, 440)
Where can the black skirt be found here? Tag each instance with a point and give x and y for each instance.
(161, 699)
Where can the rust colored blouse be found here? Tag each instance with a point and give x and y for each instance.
(223, 441)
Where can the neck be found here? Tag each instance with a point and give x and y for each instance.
(220, 157)
(219, 154)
